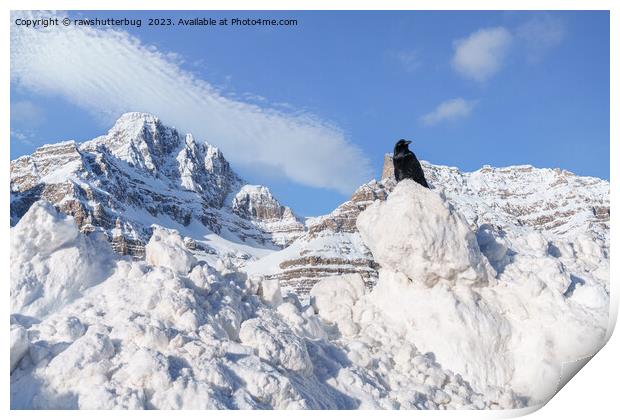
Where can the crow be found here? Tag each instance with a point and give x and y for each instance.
(406, 165)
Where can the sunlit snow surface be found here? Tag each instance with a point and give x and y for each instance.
(458, 319)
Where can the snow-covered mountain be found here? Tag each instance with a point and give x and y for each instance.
(146, 274)
(517, 198)
(142, 173)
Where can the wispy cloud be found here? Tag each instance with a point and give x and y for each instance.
(449, 110)
(27, 112)
(409, 60)
(540, 34)
(18, 135)
(22, 136)
(481, 54)
(109, 72)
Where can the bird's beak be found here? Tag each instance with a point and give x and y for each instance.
(407, 141)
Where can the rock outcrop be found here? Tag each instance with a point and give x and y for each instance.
(255, 203)
(330, 247)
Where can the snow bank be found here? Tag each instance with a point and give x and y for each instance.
(171, 333)
(51, 262)
(97, 331)
(548, 304)
(276, 342)
(19, 344)
(269, 291)
(166, 248)
(421, 224)
(334, 298)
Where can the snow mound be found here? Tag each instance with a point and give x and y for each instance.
(19, 344)
(334, 298)
(547, 306)
(92, 330)
(270, 292)
(171, 332)
(166, 248)
(276, 342)
(418, 222)
(51, 262)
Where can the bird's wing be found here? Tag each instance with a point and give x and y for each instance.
(408, 165)
(418, 172)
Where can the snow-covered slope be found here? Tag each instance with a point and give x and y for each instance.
(549, 200)
(331, 246)
(142, 173)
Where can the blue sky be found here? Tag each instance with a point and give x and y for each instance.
(310, 110)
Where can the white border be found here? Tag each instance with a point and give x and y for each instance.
(592, 394)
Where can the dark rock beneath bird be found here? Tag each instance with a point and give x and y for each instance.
(406, 164)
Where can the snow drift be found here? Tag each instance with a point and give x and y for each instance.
(548, 305)
(180, 333)
(424, 227)
(50, 267)
(458, 319)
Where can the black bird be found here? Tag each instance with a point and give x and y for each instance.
(406, 165)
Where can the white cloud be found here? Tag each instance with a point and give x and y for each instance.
(110, 72)
(540, 34)
(480, 55)
(449, 110)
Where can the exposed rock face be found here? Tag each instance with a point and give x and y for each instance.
(332, 246)
(550, 200)
(142, 173)
(342, 219)
(255, 203)
(518, 197)
(388, 167)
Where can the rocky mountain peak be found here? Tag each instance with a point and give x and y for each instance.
(136, 122)
(388, 167)
(141, 140)
(144, 172)
(256, 203)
